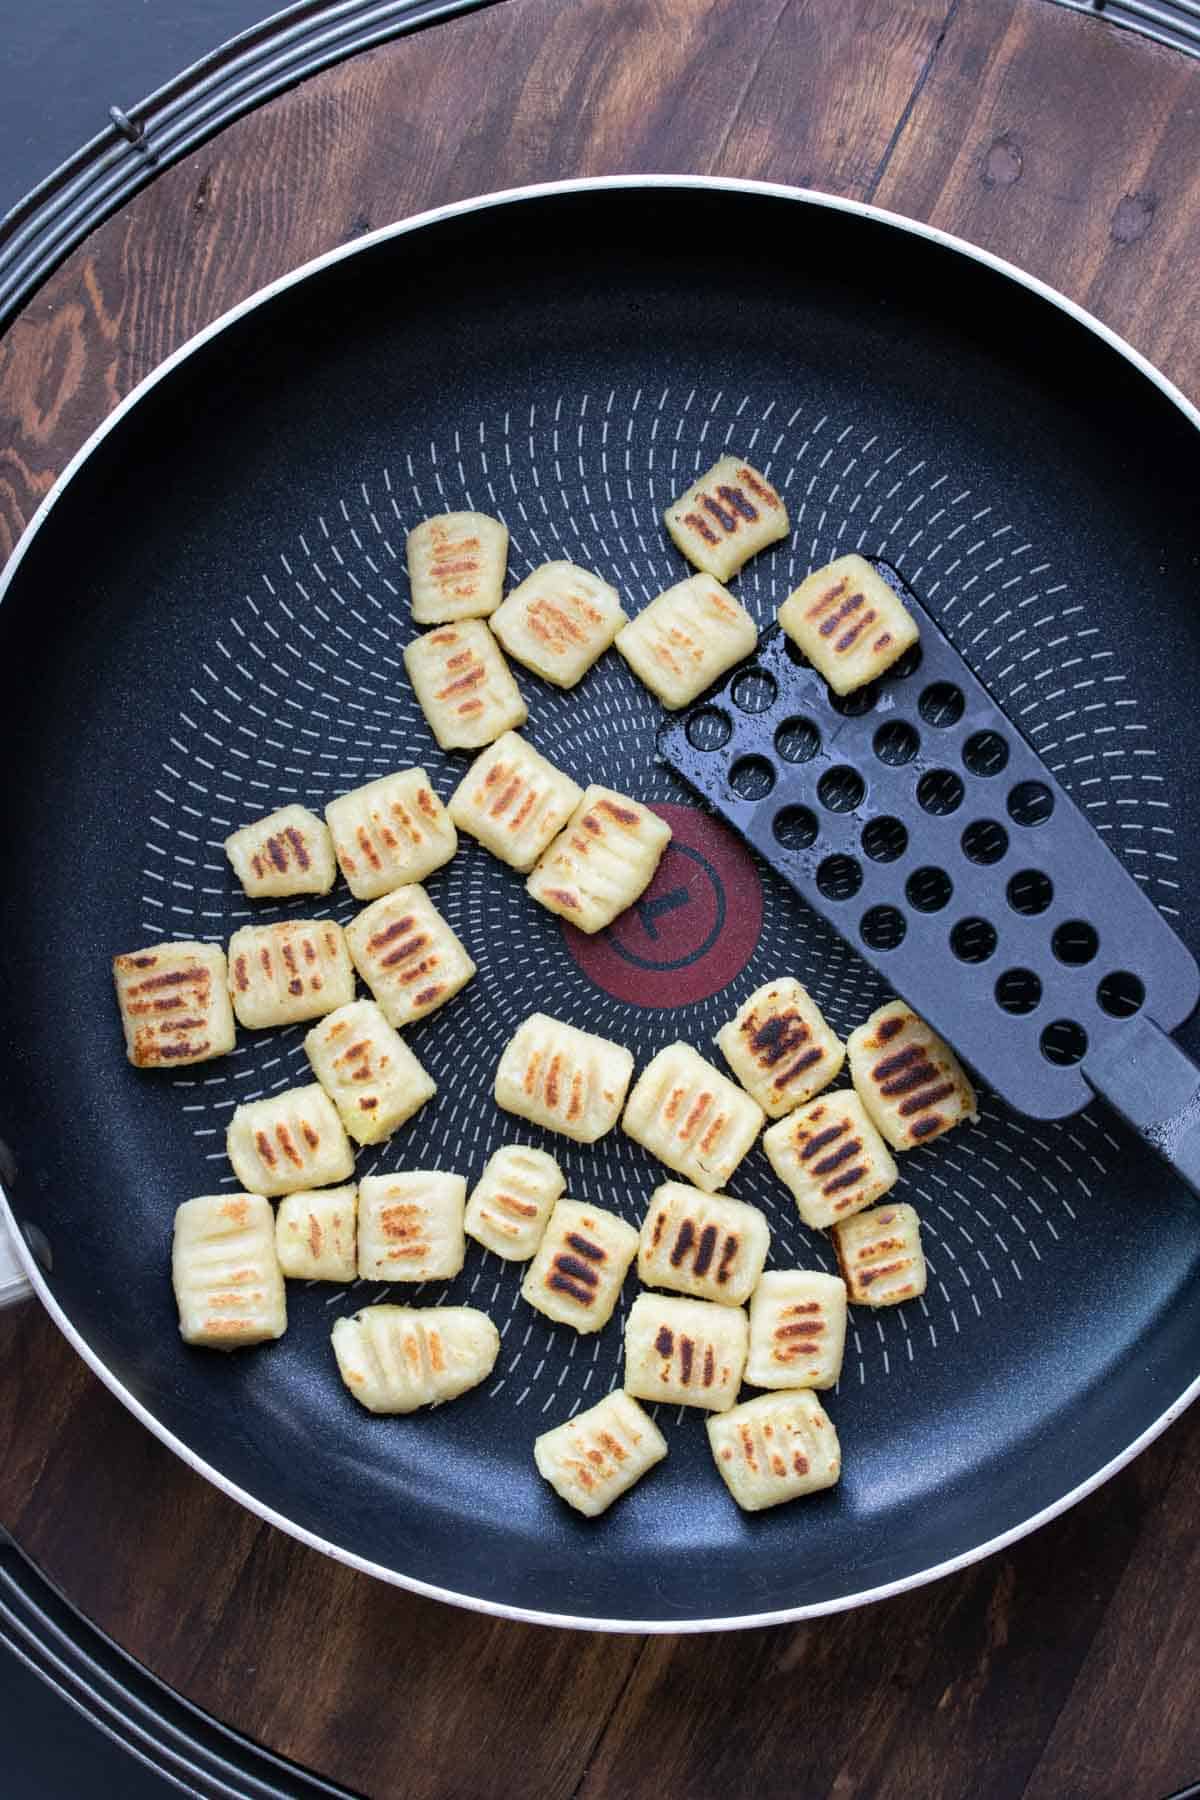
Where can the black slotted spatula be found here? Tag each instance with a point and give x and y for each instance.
(916, 818)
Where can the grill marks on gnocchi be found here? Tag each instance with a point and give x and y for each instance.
(410, 1226)
(315, 1235)
(691, 1117)
(390, 832)
(685, 1352)
(726, 517)
(288, 852)
(880, 1256)
(407, 955)
(367, 1070)
(510, 1207)
(599, 1454)
(849, 623)
(514, 801)
(797, 1330)
(558, 621)
(775, 1449)
(563, 1079)
(226, 1275)
(174, 1004)
(707, 1245)
(464, 686)
(908, 1078)
(686, 638)
(394, 1359)
(602, 861)
(780, 1047)
(831, 1157)
(283, 973)
(289, 1142)
(580, 1264)
(456, 564)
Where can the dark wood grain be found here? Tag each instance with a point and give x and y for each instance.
(1051, 139)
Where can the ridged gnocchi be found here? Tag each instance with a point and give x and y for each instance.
(394, 1359)
(174, 1004)
(456, 564)
(831, 1157)
(410, 1226)
(849, 623)
(603, 860)
(597, 1456)
(288, 852)
(691, 1117)
(226, 1276)
(727, 516)
(780, 1047)
(908, 1078)
(408, 956)
(293, 970)
(797, 1330)
(685, 1352)
(511, 1203)
(710, 1246)
(514, 801)
(775, 1448)
(686, 638)
(563, 1079)
(575, 1278)
(315, 1234)
(367, 1070)
(464, 686)
(288, 1142)
(880, 1256)
(558, 621)
(390, 832)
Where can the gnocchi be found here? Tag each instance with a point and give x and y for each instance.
(602, 861)
(288, 852)
(394, 1359)
(464, 686)
(685, 1352)
(390, 832)
(580, 1264)
(880, 1256)
(456, 564)
(597, 1456)
(514, 801)
(797, 1330)
(707, 1245)
(691, 1117)
(831, 1157)
(410, 1226)
(558, 621)
(775, 1448)
(686, 638)
(908, 1078)
(849, 623)
(226, 1276)
(367, 1070)
(780, 1048)
(174, 1004)
(563, 1079)
(295, 969)
(289, 1142)
(315, 1235)
(407, 955)
(510, 1207)
(727, 516)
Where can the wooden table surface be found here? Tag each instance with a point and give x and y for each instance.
(1064, 1667)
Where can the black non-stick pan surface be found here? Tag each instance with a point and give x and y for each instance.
(208, 621)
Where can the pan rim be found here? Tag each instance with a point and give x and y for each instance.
(400, 228)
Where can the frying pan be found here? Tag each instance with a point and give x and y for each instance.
(206, 619)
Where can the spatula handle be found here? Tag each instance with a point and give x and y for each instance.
(1155, 1086)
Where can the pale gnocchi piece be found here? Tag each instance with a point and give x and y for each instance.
(727, 516)
(395, 1359)
(511, 1203)
(456, 564)
(908, 1078)
(289, 1142)
(558, 621)
(367, 1070)
(288, 852)
(464, 686)
(780, 1047)
(880, 1256)
(685, 1352)
(775, 1448)
(602, 861)
(407, 955)
(295, 969)
(708, 1245)
(831, 1157)
(410, 1226)
(563, 1079)
(514, 801)
(390, 832)
(226, 1275)
(849, 623)
(686, 638)
(691, 1117)
(583, 1258)
(315, 1234)
(174, 1004)
(797, 1330)
(597, 1456)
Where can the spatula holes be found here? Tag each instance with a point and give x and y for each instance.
(929, 889)
(751, 777)
(940, 791)
(1075, 942)
(841, 789)
(941, 705)
(797, 740)
(839, 878)
(754, 691)
(1121, 994)
(896, 743)
(883, 927)
(1018, 990)
(973, 940)
(885, 840)
(1064, 1042)
(708, 729)
(854, 705)
(906, 665)
(1030, 803)
(984, 841)
(1030, 892)
(795, 827)
(985, 753)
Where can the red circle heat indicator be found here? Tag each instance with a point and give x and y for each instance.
(693, 930)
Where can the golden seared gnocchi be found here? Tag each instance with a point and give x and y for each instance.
(576, 1275)
(315, 1234)
(511, 1203)
(880, 1256)
(686, 638)
(367, 1070)
(597, 1456)
(225, 1272)
(691, 1117)
(563, 1079)
(727, 516)
(849, 623)
(558, 621)
(395, 1359)
(908, 1078)
(602, 861)
(464, 686)
(390, 832)
(775, 1448)
(295, 969)
(456, 564)
(685, 1352)
(514, 801)
(410, 1226)
(289, 1142)
(708, 1245)
(407, 955)
(831, 1157)
(797, 1330)
(288, 852)
(780, 1048)
(174, 1004)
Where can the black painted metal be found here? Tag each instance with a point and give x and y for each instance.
(210, 617)
(1172, 22)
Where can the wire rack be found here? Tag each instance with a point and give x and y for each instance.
(1174, 22)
